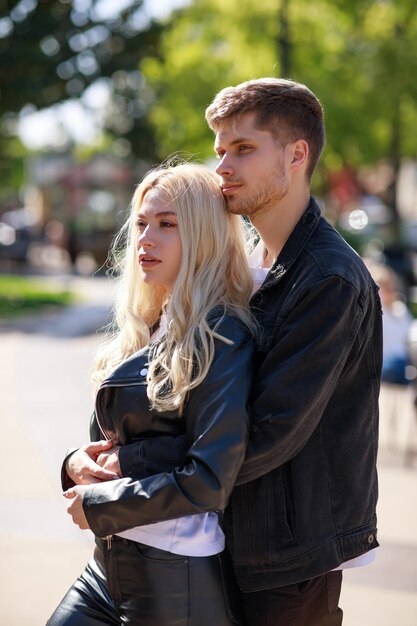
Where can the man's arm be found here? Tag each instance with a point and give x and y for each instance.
(152, 456)
(299, 374)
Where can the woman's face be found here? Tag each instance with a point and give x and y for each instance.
(159, 247)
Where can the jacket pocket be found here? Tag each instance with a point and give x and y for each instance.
(150, 553)
(260, 519)
(280, 509)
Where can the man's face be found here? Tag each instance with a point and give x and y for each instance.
(253, 167)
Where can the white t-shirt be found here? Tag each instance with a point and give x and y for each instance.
(191, 535)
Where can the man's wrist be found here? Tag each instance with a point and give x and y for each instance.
(130, 460)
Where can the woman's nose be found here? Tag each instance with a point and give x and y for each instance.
(146, 238)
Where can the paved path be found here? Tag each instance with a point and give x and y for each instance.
(44, 408)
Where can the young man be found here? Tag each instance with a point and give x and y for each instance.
(306, 496)
(304, 504)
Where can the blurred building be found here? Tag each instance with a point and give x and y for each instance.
(72, 208)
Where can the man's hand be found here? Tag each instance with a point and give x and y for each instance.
(84, 469)
(109, 460)
(75, 507)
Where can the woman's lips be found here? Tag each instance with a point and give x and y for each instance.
(148, 261)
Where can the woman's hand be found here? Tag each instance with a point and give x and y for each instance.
(75, 506)
(94, 463)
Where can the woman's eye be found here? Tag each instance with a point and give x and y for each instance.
(141, 225)
(167, 224)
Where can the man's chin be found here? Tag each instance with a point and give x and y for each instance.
(235, 207)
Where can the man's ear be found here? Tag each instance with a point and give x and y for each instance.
(300, 152)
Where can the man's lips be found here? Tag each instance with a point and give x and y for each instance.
(229, 188)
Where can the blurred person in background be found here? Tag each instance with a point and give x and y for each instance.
(397, 322)
(398, 373)
(178, 362)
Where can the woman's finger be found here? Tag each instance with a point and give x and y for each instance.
(69, 493)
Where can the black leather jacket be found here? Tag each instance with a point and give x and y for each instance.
(214, 425)
(307, 490)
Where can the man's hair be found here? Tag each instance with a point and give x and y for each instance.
(287, 109)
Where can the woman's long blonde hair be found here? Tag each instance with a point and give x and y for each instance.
(214, 271)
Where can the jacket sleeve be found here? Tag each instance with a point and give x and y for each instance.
(217, 428)
(153, 455)
(300, 372)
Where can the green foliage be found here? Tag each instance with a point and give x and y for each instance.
(20, 295)
(359, 57)
(205, 47)
(12, 154)
(52, 50)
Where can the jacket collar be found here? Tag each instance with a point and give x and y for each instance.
(295, 243)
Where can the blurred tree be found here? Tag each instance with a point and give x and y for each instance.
(52, 50)
(205, 46)
(364, 69)
(358, 56)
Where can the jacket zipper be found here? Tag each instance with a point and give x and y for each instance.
(109, 538)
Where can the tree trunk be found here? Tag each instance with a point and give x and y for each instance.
(395, 143)
(284, 40)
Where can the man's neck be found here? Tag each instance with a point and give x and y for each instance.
(275, 226)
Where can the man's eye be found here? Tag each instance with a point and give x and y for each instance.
(244, 148)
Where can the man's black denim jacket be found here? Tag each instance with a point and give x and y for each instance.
(306, 495)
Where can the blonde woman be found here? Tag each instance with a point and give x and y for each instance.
(179, 361)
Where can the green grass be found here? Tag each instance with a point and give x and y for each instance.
(19, 295)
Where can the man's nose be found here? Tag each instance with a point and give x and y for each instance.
(224, 167)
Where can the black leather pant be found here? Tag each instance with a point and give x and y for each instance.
(131, 583)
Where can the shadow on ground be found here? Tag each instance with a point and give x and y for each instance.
(75, 321)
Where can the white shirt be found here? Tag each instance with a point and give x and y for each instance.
(191, 535)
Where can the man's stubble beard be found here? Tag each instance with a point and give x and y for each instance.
(265, 200)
